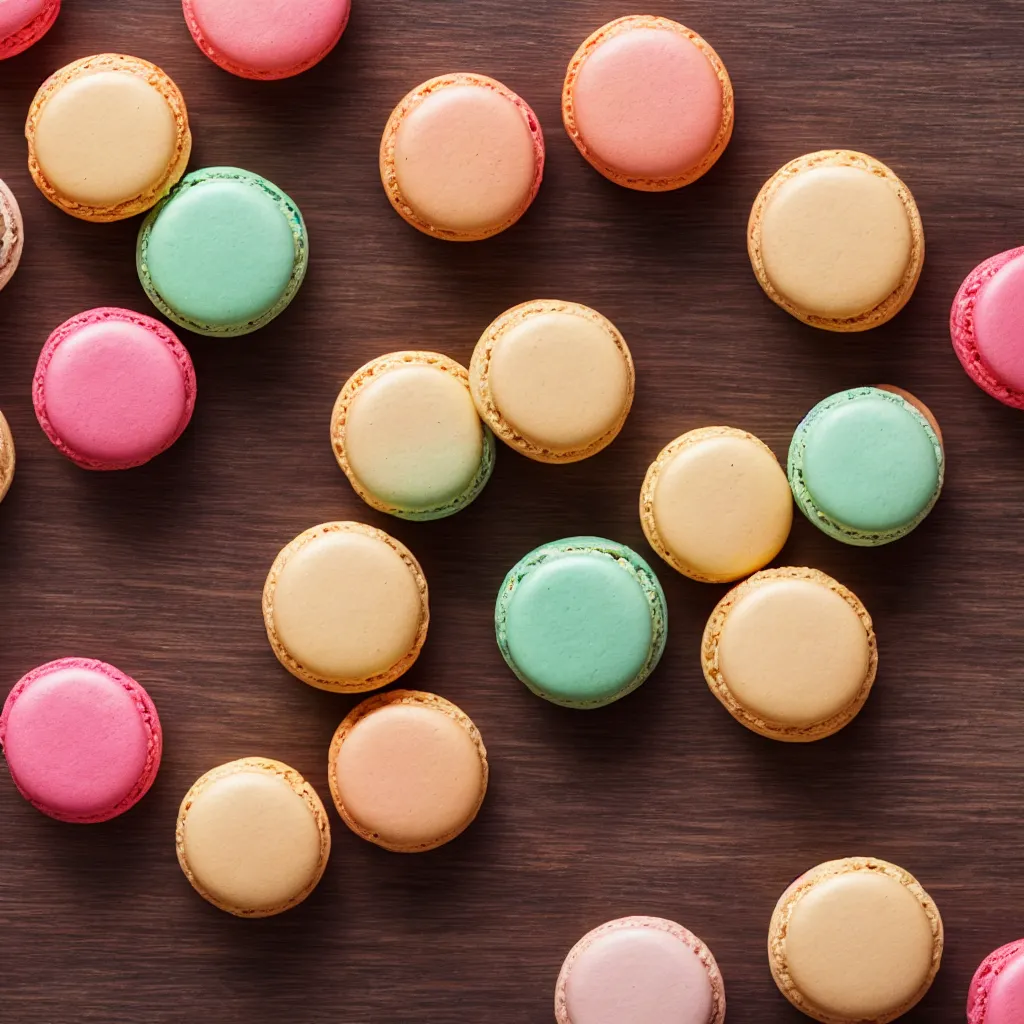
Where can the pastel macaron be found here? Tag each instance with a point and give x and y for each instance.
(648, 103)
(7, 457)
(462, 157)
(640, 970)
(407, 770)
(855, 940)
(554, 380)
(407, 435)
(996, 995)
(108, 135)
(12, 234)
(82, 740)
(986, 324)
(252, 837)
(265, 39)
(716, 504)
(346, 607)
(581, 621)
(835, 239)
(791, 654)
(224, 254)
(24, 22)
(867, 465)
(113, 388)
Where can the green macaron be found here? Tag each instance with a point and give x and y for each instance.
(224, 253)
(582, 621)
(866, 465)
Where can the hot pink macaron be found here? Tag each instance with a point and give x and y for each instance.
(82, 740)
(997, 991)
(987, 326)
(266, 39)
(113, 388)
(24, 22)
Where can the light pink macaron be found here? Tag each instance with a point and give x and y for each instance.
(113, 388)
(25, 22)
(82, 740)
(996, 995)
(266, 39)
(12, 233)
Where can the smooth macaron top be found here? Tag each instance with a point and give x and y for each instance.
(16, 14)
(24, 22)
(12, 234)
(82, 739)
(648, 103)
(996, 995)
(266, 39)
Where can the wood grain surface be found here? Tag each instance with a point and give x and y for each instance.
(659, 804)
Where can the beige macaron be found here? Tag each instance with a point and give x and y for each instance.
(6, 457)
(835, 238)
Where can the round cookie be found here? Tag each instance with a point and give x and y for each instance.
(7, 458)
(996, 994)
(224, 253)
(855, 940)
(640, 970)
(836, 240)
(23, 23)
(791, 654)
(582, 621)
(462, 157)
(648, 103)
(407, 435)
(12, 235)
(407, 770)
(107, 137)
(716, 504)
(346, 607)
(554, 380)
(253, 837)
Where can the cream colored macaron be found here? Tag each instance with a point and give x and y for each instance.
(553, 379)
(855, 940)
(6, 457)
(791, 653)
(836, 240)
(346, 607)
(716, 504)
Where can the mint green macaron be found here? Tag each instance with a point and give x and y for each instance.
(866, 465)
(582, 621)
(224, 253)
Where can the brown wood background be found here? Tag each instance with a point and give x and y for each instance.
(660, 804)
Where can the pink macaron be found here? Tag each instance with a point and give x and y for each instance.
(25, 22)
(12, 233)
(82, 740)
(113, 388)
(987, 326)
(266, 39)
(996, 995)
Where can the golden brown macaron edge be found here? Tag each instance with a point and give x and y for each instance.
(898, 298)
(7, 457)
(159, 80)
(720, 688)
(378, 680)
(376, 703)
(834, 869)
(479, 379)
(298, 784)
(627, 24)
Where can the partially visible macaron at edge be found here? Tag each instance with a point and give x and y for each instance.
(996, 995)
(7, 457)
(23, 23)
(12, 234)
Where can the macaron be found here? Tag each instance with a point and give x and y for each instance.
(836, 240)
(582, 621)
(554, 380)
(113, 388)
(6, 457)
(866, 465)
(996, 995)
(24, 22)
(407, 770)
(855, 940)
(407, 435)
(82, 740)
(791, 654)
(266, 39)
(986, 324)
(107, 137)
(462, 157)
(12, 234)
(224, 253)
(640, 970)
(648, 103)
(253, 837)
(346, 607)
(716, 505)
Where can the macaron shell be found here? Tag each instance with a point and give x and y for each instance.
(7, 457)
(12, 234)
(23, 23)
(996, 994)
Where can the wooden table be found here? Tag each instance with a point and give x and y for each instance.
(659, 804)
